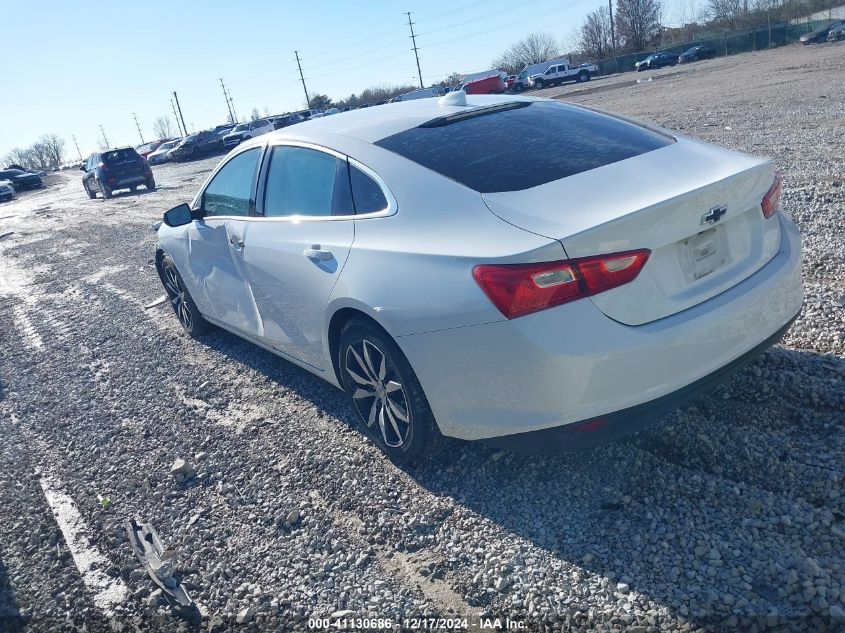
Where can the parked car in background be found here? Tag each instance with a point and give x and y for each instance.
(112, 169)
(521, 82)
(196, 146)
(284, 120)
(509, 322)
(245, 131)
(836, 33)
(657, 60)
(7, 191)
(162, 154)
(820, 34)
(21, 179)
(559, 73)
(509, 81)
(148, 148)
(695, 54)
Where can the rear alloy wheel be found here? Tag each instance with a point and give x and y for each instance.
(583, 76)
(180, 299)
(388, 400)
(151, 184)
(106, 191)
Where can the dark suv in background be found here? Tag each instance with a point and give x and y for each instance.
(120, 168)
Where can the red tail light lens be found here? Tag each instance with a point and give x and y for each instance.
(771, 201)
(520, 289)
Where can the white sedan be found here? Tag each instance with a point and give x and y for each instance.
(570, 286)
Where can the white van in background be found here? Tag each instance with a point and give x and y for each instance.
(422, 93)
(521, 81)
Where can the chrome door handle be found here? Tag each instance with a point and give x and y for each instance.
(236, 241)
(315, 252)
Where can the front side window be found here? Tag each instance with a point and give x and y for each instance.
(230, 190)
(304, 181)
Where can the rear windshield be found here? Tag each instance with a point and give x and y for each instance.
(523, 147)
(120, 155)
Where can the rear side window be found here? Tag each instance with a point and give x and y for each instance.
(368, 196)
(523, 147)
(303, 181)
(120, 155)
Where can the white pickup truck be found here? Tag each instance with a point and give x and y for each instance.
(243, 131)
(559, 73)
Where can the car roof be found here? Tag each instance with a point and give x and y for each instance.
(373, 124)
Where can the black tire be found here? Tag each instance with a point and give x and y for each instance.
(539, 84)
(91, 194)
(151, 184)
(518, 87)
(133, 188)
(381, 368)
(180, 299)
(583, 76)
(105, 190)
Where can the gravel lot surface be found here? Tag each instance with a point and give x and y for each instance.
(731, 516)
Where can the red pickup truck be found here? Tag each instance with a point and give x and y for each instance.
(492, 83)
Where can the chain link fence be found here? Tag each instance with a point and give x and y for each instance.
(725, 43)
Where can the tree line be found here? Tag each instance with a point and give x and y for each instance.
(46, 152)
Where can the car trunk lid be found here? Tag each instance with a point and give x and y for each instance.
(695, 206)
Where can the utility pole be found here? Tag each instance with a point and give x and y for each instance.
(77, 146)
(137, 125)
(103, 132)
(178, 107)
(176, 117)
(416, 54)
(232, 102)
(612, 29)
(226, 97)
(299, 65)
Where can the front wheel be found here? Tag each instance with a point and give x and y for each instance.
(91, 194)
(180, 299)
(388, 400)
(539, 84)
(583, 76)
(151, 184)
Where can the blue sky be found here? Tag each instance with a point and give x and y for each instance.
(83, 64)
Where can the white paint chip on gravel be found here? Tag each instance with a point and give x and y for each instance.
(108, 592)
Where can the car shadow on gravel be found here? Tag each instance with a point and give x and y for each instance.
(10, 619)
(681, 515)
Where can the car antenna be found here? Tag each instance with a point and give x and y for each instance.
(456, 98)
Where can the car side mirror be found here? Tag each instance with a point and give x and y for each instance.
(82, 167)
(178, 216)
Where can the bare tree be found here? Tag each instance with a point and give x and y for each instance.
(22, 157)
(728, 13)
(595, 39)
(54, 148)
(373, 95)
(162, 128)
(637, 23)
(536, 48)
(254, 115)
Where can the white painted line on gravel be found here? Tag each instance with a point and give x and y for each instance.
(108, 592)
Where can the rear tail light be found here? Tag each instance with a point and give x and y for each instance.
(520, 289)
(771, 201)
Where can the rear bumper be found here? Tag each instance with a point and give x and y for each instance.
(127, 181)
(571, 363)
(612, 426)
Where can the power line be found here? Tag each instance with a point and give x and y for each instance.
(416, 54)
(299, 65)
(137, 125)
(103, 132)
(178, 107)
(229, 105)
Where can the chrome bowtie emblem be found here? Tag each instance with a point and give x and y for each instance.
(714, 215)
